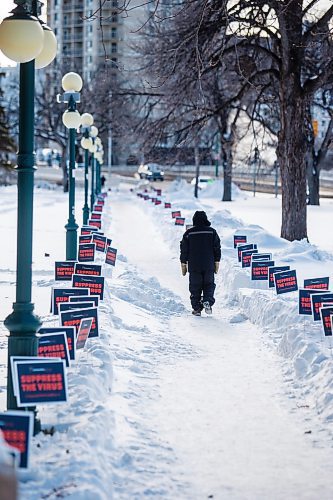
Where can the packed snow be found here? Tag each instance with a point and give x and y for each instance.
(234, 406)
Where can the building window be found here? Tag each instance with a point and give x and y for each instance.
(114, 17)
(113, 32)
(90, 59)
(56, 17)
(114, 3)
(55, 31)
(91, 28)
(113, 47)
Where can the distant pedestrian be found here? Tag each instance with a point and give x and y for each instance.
(103, 179)
(200, 255)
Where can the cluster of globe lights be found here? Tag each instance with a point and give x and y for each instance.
(94, 146)
(24, 37)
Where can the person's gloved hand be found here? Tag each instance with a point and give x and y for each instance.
(184, 269)
(216, 267)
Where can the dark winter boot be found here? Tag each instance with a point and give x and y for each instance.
(197, 312)
(208, 307)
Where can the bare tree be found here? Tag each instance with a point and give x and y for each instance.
(278, 32)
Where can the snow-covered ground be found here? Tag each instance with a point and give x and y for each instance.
(235, 406)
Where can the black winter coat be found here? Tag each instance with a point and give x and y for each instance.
(200, 248)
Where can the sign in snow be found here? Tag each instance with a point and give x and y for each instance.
(111, 256)
(242, 248)
(40, 382)
(285, 282)
(96, 216)
(86, 238)
(88, 269)
(63, 270)
(96, 223)
(239, 239)
(72, 306)
(73, 318)
(259, 269)
(100, 242)
(304, 301)
(60, 295)
(246, 257)
(68, 330)
(318, 299)
(317, 283)
(85, 230)
(86, 252)
(176, 213)
(326, 313)
(180, 221)
(83, 332)
(262, 256)
(54, 345)
(275, 269)
(98, 208)
(167, 205)
(94, 283)
(17, 429)
(158, 202)
(91, 298)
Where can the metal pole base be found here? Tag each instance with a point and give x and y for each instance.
(71, 241)
(85, 215)
(22, 324)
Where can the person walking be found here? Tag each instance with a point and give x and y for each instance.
(200, 255)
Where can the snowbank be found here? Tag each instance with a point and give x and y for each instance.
(298, 339)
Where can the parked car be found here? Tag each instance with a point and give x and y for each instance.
(204, 180)
(151, 171)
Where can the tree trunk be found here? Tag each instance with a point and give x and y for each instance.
(313, 182)
(291, 154)
(64, 169)
(197, 171)
(227, 171)
(227, 174)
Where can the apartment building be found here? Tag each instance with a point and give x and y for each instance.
(90, 38)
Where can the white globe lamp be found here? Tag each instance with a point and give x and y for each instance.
(49, 50)
(86, 142)
(71, 119)
(94, 131)
(21, 36)
(87, 119)
(71, 82)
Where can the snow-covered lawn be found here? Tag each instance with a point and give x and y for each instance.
(235, 406)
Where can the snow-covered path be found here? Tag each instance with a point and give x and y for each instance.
(222, 423)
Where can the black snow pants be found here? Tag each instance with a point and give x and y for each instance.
(202, 288)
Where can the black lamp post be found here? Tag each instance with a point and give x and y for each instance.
(24, 40)
(86, 143)
(93, 134)
(72, 84)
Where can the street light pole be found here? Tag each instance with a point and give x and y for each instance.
(22, 323)
(35, 47)
(93, 135)
(71, 84)
(97, 177)
(85, 206)
(71, 226)
(86, 143)
(92, 191)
